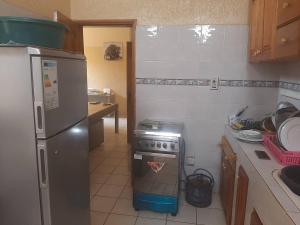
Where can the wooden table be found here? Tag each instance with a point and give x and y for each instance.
(98, 111)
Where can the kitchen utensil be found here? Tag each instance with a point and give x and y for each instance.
(289, 134)
(268, 125)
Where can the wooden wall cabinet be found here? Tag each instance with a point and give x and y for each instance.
(274, 30)
(262, 30)
(228, 165)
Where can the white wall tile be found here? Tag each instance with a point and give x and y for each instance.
(190, 52)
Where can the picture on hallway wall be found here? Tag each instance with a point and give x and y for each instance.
(113, 50)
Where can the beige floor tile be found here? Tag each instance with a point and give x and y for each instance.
(179, 223)
(186, 214)
(96, 159)
(93, 166)
(147, 221)
(102, 204)
(116, 153)
(124, 162)
(210, 216)
(122, 170)
(111, 161)
(114, 219)
(126, 193)
(153, 215)
(94, 188)
(124, 207)
(108, 190)
(117, 180)
(98, 153)
(98, 178)
(104, 169)
(98, 218)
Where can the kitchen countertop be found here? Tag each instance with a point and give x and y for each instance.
(266, 168)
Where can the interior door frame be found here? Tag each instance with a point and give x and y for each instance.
(131, 77)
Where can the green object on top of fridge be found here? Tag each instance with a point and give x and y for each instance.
(32, 32)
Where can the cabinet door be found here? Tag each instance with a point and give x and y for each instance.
(288, 11)
(227, 180)
(241, 197)
(255, 220)
(288, 41)
(256, 29)
(269, 28)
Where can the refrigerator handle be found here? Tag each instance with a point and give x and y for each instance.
(39, 116)
(43, 166)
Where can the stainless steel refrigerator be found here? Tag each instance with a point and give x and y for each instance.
(44, 175)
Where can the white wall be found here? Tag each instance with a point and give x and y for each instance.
(7, 9)
(290, 84)
(200, 53)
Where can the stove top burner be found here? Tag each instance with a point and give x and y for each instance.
(160, 136)
(159, 128)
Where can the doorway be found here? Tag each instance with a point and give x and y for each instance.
(74, 43)
(106, 50)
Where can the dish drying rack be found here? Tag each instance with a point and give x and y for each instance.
(283, 157)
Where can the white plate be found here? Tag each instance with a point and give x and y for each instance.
(290, 134)
(251, 134)
(249, 140)
(241, 136)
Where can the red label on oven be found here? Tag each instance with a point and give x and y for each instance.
(156, 166)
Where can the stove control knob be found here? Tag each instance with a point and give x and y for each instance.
(146, 144)
(158, 144)
(172, 146)
(165, 145)
(152, 144)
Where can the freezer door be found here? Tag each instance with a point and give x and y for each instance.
(64, 177)
(60, 93)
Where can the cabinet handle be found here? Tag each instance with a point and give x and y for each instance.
(284, 40)
(259, 52)
(285, 5)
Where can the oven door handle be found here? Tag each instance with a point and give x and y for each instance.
(172, 156)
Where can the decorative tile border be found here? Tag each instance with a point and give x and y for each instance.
(180, 82)
(206, 82)
(289, 86)
(223, 83)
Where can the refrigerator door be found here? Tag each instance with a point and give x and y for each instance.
(19, 184)
(60, 93)
(64, 177)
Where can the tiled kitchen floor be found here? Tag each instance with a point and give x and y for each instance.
(111, 193)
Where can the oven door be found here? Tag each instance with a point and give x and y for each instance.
(156, 173)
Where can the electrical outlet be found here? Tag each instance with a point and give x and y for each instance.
(214, 84)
